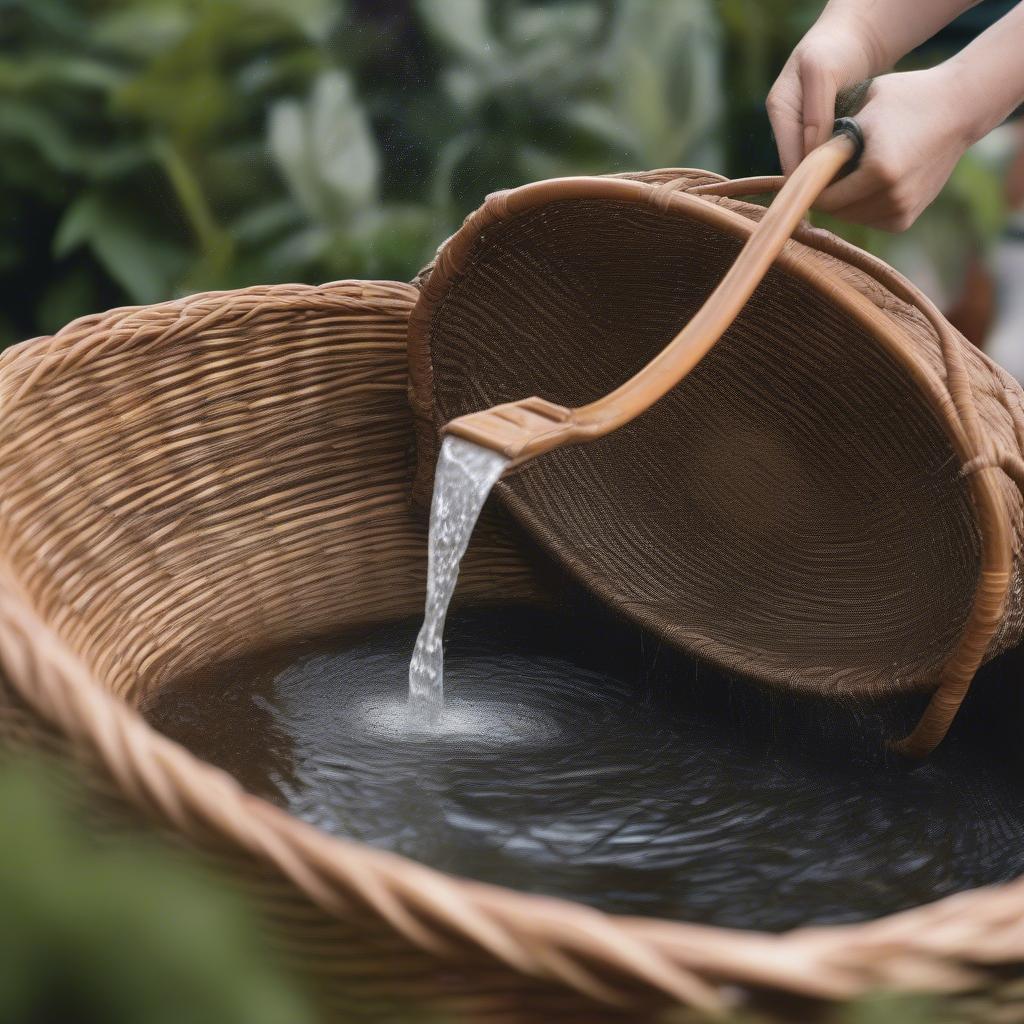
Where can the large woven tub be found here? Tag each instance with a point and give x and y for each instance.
(187, 482)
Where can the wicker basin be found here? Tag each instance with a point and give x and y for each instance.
(186, 482)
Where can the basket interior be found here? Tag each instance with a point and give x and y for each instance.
(187, 482)
(793, 510)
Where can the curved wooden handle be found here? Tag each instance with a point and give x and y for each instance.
(735, 188)
(724, 304)
(525, 429)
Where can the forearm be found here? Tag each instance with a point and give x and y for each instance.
(987, 77)
(889, 29)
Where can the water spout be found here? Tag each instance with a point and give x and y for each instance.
(465, 474)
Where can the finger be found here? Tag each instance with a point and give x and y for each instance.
(818, 89)
(784, 115)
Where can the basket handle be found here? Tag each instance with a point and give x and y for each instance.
(764, 184)
(525, 429)
(737, 188)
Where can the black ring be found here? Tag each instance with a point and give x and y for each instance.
(849, 126)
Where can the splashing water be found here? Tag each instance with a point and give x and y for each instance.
(465, 474)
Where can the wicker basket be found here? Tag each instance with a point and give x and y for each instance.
(836, 510)
(185, 482)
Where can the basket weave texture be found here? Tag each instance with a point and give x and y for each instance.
(185, 482)
(821, 504)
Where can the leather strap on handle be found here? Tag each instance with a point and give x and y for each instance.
(525, 429)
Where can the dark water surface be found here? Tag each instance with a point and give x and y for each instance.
(578, 759)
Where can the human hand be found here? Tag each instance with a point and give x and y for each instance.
(916, 125)
(839, 51)
(915, 131)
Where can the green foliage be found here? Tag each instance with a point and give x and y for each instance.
(570, 88)
(888, 1008)
(758, 38)
(158, 147)
(120, 932)
(326, 152)
(133, 138)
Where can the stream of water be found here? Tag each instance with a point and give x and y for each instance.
(465, 474)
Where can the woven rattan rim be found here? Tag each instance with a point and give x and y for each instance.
(692, 193)
(942, 946)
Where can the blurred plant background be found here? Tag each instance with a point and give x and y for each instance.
(153, 148)
(120, 932)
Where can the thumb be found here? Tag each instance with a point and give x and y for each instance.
(818, 88)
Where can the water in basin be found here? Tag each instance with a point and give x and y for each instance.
(578, 758)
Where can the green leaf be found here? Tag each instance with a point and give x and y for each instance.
(664, 70)
(325, 150)
(460, 25)
(143, 263)
(566, 24)
(56, 17)
(289, 146)
(143, 30)
(265, 221)
(121, 931)
(58, 142)
(39, 70)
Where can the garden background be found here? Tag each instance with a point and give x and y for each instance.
(153, 148)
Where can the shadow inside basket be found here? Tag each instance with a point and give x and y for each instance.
(580, 758)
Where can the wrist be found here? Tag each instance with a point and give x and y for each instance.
(864, 44)
(961, 98)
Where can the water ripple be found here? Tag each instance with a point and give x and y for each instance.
(566, 764)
